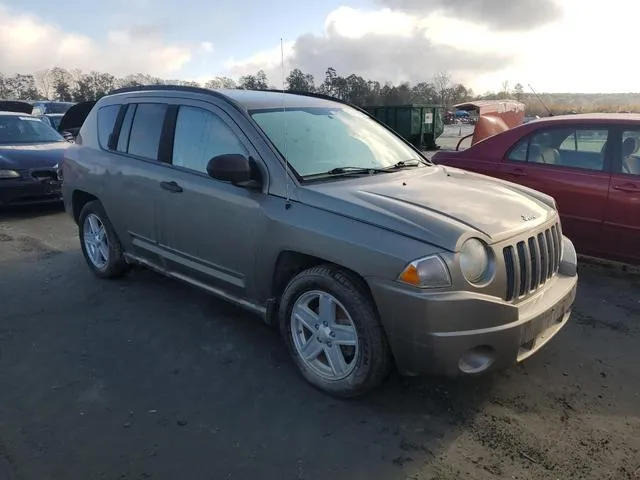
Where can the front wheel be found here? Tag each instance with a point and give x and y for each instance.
(332, 331)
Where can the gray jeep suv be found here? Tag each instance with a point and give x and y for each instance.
(310, 213)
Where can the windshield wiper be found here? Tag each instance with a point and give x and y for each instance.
(406, 164)
(349, 170)
(356, 170)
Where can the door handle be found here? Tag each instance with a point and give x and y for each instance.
(518, 172)
(629, 188)
(171, 186)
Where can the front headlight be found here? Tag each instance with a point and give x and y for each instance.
(9, 174)
(427, 272)
(475, 261)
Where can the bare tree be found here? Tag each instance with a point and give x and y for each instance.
(441, 82)
(504, 91)
(44, 82)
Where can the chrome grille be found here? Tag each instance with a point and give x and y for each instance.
(532, 261)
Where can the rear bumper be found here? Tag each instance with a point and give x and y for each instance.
(462, 333)
(26, 191)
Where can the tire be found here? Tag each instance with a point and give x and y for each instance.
(115, 264)
(366, 364)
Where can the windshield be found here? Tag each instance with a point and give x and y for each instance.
(319, 140)
(51, 107)
(18, 129)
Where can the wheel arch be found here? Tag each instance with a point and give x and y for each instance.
(79, 198)
(290, 263)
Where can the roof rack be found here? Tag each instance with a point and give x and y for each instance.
(316, 95)
(141, 88)
(181, 88)
(206, 91)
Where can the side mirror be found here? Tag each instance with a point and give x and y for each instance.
(232, 167)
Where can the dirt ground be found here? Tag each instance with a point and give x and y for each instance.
(146, 378)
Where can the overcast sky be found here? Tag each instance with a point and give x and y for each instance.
(554, 45)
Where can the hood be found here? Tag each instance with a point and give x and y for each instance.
(15, 106)
(23, 157)
(75, 116)
(438, 205)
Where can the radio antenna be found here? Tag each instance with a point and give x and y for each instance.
(540, 100)
(287, 204)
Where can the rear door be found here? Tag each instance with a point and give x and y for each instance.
(134, 174)
(572, 165)
(622, 221)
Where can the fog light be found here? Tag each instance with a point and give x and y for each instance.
(477, 360)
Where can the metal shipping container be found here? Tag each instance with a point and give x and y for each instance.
(418, 124)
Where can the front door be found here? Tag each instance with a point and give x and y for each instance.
(210, 231)
(571, 165)
(622, 221)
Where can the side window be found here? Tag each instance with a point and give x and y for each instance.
(125, 129)
(591, 140)
(146, 130)
(519, 152)
(106, 121)
(570, 143)
(630, 152)
(201, 135)
(581, 148)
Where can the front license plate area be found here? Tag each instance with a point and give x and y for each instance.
(535, 329)
(541, 324)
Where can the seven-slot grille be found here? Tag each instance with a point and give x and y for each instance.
(531, 262)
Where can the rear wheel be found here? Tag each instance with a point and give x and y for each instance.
(331, 328)
(100, 244)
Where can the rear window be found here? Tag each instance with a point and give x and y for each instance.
(106, 121)
(147, 130)
(51, 107)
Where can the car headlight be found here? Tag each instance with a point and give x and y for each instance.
(9, 174)
(475, 261)
(427, 272)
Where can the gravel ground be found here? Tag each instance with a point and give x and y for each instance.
(147, 378)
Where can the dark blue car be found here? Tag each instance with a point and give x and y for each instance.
(30, 152)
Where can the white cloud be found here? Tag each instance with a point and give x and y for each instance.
(352, 23)
(587, 51)
(382, 45)
(28, 44)
(572, 47)
(206, 47)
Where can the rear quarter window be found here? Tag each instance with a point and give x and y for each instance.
(106, 121)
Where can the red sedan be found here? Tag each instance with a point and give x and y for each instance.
(590, 163)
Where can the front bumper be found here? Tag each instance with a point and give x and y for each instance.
(29, 190)
(464, 333)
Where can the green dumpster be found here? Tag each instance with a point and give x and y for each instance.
(417, 123)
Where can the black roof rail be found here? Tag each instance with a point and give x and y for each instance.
(180, 88)
(316, 95)
(184, 88)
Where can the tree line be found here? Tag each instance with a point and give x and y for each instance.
(74, 85)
